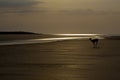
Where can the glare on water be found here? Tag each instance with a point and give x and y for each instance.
(78, 34)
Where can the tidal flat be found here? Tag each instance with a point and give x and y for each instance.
(61, 60)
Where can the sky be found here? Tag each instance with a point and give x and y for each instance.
(61, 16)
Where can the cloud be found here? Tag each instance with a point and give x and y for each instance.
(90, 12)
(22, 11)
(18, 3)
(19, 6)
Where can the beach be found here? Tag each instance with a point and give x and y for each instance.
(61, 60)
(59, 40)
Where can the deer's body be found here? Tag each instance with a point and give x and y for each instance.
(94, 41)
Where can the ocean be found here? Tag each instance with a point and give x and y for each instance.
(65, 58)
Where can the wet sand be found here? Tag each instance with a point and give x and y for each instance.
(62, 60)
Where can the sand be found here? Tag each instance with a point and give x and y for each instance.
(62, 60)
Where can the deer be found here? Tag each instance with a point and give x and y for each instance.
(94, 41)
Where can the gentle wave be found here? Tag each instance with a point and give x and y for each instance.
(44, 40)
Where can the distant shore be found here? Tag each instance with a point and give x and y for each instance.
(16, 32)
